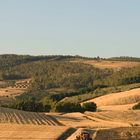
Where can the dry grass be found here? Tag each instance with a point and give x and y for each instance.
(9, 91)
(125, 117)
(19, 87)
(31, 132)
(116, 107)
(14, 116)
(15, 124)
(127, 98)
(108, 64)
(28, 125)
(3, 83)
(8, 94)
(124, 133)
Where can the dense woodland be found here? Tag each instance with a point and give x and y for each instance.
(49, 72)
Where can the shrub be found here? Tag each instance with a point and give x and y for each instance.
(48, 104)
(89, 106)
(27, 105)
(68, 107)
(137, 106)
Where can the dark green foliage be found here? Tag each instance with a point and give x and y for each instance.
(48, 104)
(10, 60)
(74, 107)
(137, 106)
(43, 101)
(27, 105)
(58, 72)
(13, 60)
(125, 58)
(13, 77)
(68, 107)
(89, 106)
(123, 77)
(99, 92)
(30, 105)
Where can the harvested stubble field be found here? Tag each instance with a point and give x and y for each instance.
(108, 64)
(31, 132)
(121, 123)
(15, 124)
(14, 116)
(120, 101)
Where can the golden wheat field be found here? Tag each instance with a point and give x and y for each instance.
(126, 99)
(15, 124)
(31, 132)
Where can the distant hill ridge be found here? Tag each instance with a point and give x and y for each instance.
(9, 60)
(125, 58)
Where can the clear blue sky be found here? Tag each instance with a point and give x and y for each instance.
(77, 27)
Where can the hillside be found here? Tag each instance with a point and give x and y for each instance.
(56, 87)
(32, 132)
(20, 117)
(113, 63)
(121, 98)
(55, 125)
(99, 124)
(54, 78)
(10, 60)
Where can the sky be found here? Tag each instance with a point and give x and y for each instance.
(104, 28)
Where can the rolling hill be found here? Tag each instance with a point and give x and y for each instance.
(42, 83)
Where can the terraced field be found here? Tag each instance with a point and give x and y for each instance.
(22, 84)
(7, 94)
